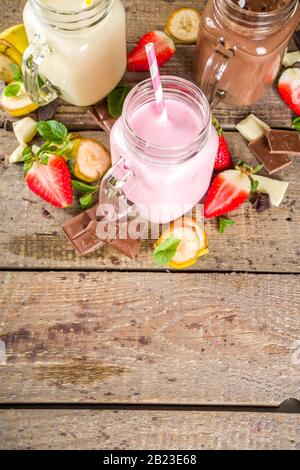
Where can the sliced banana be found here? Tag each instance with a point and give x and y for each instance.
(183, 25)
(17, 105)
(193, 242)
(25, 130)
(17, 37)
(92, 160)
(10, 51)
(6, 74)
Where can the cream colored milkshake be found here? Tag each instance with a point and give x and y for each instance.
(84, 48)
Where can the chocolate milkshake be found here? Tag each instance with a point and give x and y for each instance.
(240, 47)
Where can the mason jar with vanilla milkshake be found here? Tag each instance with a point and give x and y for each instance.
(77, 49)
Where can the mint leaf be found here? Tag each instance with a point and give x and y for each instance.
(224, 224)
(16, 71)
(115, 100)
(83, 187)
(13, 89)
(26, 167)
(166, 251)
(53, 131)
(86, 201)
(296, 123)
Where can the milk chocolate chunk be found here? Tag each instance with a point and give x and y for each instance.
(102, 117)
(287, 142)
(81, 231)
(271, 162)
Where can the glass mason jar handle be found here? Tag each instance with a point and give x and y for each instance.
(214, 71)
(40, 91)
(113, 203)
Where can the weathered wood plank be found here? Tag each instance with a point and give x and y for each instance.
(144, 16)
(267, 242)
(159, 338)
(271, 108)
(146, 430)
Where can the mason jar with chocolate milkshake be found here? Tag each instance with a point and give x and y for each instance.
(240, 47)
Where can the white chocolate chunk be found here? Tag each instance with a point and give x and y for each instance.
(25, 130)
(252, 128)
(275, 188)
(290, 58)
(17, 155)
(35, 149)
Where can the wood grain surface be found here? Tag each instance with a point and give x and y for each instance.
(150, 338)
(31, 238)
(146, 430)
(144, 16)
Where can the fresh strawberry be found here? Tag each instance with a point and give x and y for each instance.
(223, 159)
(289, 88)
(164, 48)
(229, 190)
(51, 181)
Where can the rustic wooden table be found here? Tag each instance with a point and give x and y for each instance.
(88, 333)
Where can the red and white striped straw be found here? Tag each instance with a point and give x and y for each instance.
(154, 71)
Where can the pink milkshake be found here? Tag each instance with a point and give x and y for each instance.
(165, 165)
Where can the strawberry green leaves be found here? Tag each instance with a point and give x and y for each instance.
(296, 123)
(224, 223)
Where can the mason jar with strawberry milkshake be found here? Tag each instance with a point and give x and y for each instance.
(162, 167)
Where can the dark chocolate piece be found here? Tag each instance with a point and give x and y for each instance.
(297, 38)
(271, 162)
(102, 117)
(286, 142)
(8, 125)
(261, 202)
(81, 231)
(46, 113)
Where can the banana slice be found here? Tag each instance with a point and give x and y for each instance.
(18, 105)
(13, 43)
(10, 51)
(92, 160)
(183, 25)
(16, 36)
(25, 130)
(193, 242)
(6, 74)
